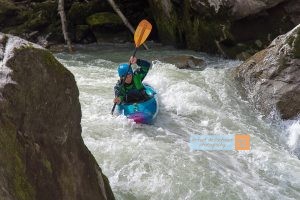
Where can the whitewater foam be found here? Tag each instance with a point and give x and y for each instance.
(155, 162)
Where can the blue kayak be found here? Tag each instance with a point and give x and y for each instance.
(141, 112)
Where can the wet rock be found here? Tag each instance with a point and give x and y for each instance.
(108, 27)
(271, 77)
(236, 8)
(218, 26)
(41, 149)
(185, 62)
(243, 56)
(258, 43)
(104, 18)
(79, 11)
(293, 8)
(81, 32)
(7, 9)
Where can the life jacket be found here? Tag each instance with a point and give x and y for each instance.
(135, 91)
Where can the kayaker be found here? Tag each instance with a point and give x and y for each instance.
(133, 89)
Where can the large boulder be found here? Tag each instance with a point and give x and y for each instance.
(42, 154)
(272, 76)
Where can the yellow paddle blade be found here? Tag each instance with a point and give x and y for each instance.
(142, 32)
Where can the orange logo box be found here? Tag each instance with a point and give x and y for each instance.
(242, 142)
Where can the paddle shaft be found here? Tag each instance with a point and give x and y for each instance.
(123, 80)
(139, 38)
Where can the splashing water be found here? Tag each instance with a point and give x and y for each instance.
(155, 162)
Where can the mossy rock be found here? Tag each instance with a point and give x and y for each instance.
(35, 17)
(7, 6)
(37, 1)
(294, 42)
(81, 31)
(41, 15)
(182, 27)
(47, 8)
(79, 11)
(167, 30)
(112, 37)
(43, 155)
(15, 30)
(37, 21)
(104, 18)
(7, 9)
(167, 24)
(296, 47)
(199, 35)
(55, 30)
(13, 163)
(240, 51)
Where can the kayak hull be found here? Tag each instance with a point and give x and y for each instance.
(141, 112)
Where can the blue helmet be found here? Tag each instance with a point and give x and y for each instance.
(123, 69)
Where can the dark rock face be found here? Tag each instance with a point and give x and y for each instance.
(272, 76)
(293, 8)
(42, 154)
(7, 9)
(185, 62)
(233, 28)
(38, 20)
(236, 8)
(107, 27)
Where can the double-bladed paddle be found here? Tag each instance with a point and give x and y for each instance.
(140, 35)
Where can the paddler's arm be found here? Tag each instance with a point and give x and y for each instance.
(119, 93)
(143, 69)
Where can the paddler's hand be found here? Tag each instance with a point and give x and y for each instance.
(117, 100)
(132, 60)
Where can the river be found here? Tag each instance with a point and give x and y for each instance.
(155, 161)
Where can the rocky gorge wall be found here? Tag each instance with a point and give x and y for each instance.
(232, 28)
(88, 21)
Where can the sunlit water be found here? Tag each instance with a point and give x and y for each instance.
(154, 161)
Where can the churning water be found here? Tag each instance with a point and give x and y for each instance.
(155, 162)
